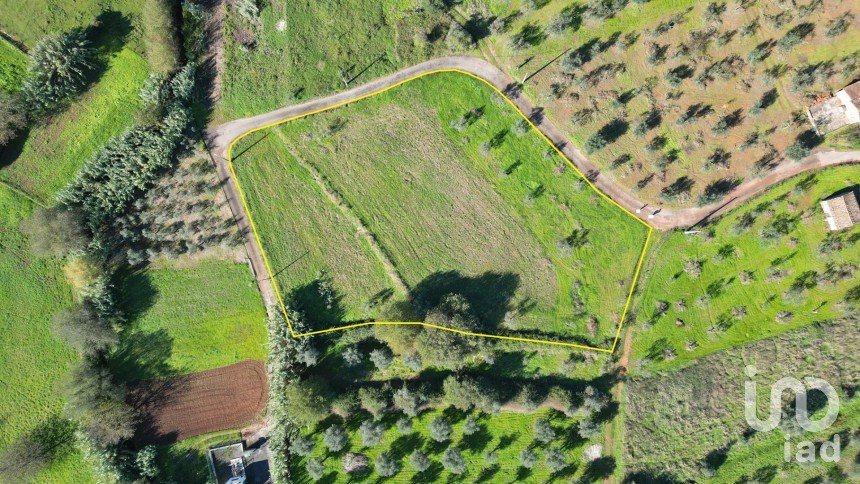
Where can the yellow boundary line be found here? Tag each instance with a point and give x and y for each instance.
(421, 323)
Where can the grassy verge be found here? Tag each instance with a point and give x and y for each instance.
(683, 316)
(32, 360)
(481, 210)
(13, 66)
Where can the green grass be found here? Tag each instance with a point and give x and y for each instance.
(13, 66)
(191, 319)
(444, 214)
(32, 360)
(670, 283)
(53, 152)
(847, 138)
(42, 18)
(320, 45)
(678, 422)
(507, 433)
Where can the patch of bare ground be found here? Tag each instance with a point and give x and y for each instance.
(184, 406)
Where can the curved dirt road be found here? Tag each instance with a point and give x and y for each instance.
(218, 139)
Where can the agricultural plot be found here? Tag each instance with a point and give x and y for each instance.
(32, 359)
(679, 90)
(690, 425)
(190, 405)
(435, 187)
(767, 267)
(192, 319)
(506, 434)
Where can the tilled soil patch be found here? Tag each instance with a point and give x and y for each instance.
(183, 406)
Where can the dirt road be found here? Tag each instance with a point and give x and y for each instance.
(218, 139)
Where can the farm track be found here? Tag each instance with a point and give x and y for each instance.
(220, 138)
(185, 406)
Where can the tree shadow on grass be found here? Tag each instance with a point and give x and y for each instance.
(403, 446)
(431, 475)
(488, 473)
(478, 441)
(599, 469)
(51, 440)
(321, 305)
(488, 294)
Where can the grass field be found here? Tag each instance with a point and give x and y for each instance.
(689, 424)
(507, 433)
(794, 259)
(192, 319)
(50, 17)
(13, 66)
(53, 152)
(32, 360)
(318, 47)
(516, 227)
(581, 110)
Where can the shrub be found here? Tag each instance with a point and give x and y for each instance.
(458, 38)
(194, 20)
(59, 68)
(386, 465)
(381, 358)
(302, 446)
(160, 35)
(470, 427)
(528, 458)
(440, 430)
(335, 438)
(839, 25)
(371, 433)
(556, 461)
(419, 461)
(413, 361)
(374, 400)
(543, 431)
(315, 469)
(797, 151)
(453, 462)
(595, 142)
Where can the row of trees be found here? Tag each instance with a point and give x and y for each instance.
(78, 228)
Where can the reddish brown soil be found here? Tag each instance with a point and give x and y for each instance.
(184, 406)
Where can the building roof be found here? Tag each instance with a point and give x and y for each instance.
(840, 110)
(841, 211)
(227, 464)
